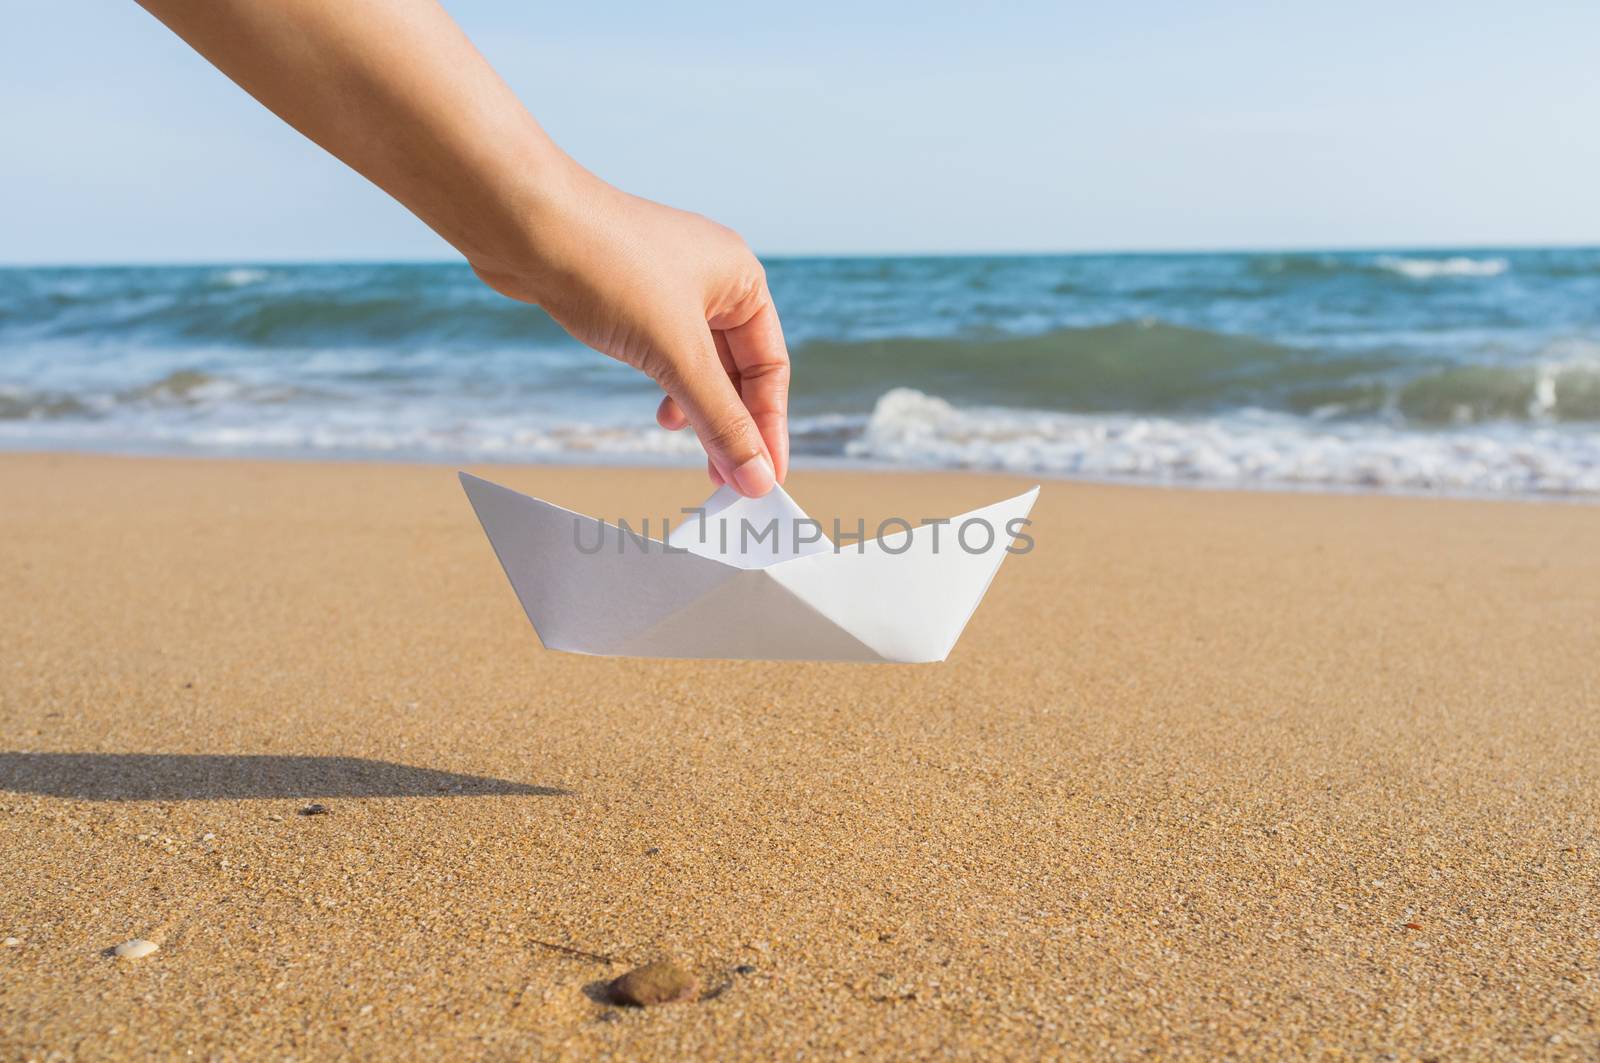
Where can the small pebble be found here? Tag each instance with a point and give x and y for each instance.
(137, 949)
(662, 982)
(744, 968)
(314, 810)
(653, 850)
(12, 943)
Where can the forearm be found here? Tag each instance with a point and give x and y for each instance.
(395, 90)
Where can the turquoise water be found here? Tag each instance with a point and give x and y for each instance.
(1464, 371)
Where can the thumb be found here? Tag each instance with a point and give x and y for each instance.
(700, 386)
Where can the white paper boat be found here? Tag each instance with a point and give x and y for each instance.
(589, 586)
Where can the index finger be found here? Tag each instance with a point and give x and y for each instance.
(761, 360)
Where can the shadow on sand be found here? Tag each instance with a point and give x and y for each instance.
(206, 777)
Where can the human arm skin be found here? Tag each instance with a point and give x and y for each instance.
(395, 90)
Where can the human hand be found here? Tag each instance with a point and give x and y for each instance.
(396, 90)
(677, 297)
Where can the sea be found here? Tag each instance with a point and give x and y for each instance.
(1470, 372)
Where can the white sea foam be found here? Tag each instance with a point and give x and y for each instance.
(238, 278)
(1455, 266)
(907, 429)
(357, 432)
(1249, 448)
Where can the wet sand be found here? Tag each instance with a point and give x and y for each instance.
(1209, 773)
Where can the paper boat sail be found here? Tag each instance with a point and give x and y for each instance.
(748, 579)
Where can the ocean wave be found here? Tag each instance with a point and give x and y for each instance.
(245, 309)
(240, 276)
(348, 319)
(1249, 448)
(1454, 266)
(904, 428)
(1155, 367)
(1475, 394)
(1284, 368)
(187, 388)
(1357, 265)
(1135, 368)
(1141, 365)
(17, 404)
(370, 433)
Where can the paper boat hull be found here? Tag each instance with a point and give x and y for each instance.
(589, 587)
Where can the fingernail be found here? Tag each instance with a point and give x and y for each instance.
(754, 478)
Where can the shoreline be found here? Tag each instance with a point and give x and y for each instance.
(804, 464)
(1209, 774)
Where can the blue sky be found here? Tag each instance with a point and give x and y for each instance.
(860, 127)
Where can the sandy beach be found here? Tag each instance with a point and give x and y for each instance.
(1210, 773)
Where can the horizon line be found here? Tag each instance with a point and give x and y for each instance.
(1152, 252)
